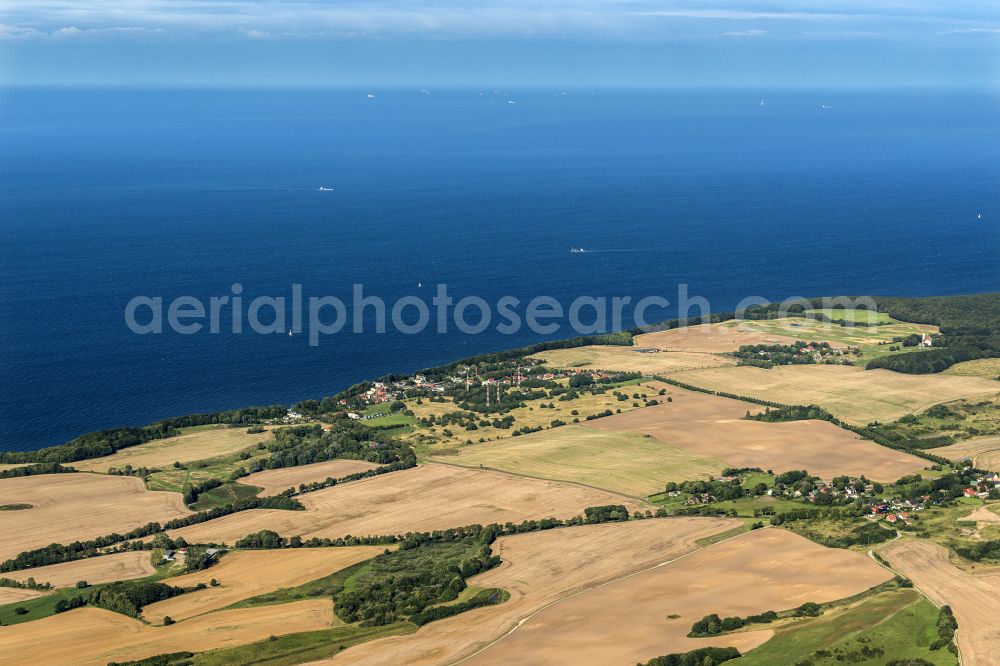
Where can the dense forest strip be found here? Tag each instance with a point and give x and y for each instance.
(970, 329)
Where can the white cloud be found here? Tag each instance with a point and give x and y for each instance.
(654, 18)
(971, 31)
(745, 33)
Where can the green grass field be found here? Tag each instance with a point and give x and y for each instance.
(220, 467)
(896, 624)
(396, 420)
(223, 495)
(623, 462)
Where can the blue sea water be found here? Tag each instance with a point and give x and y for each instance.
(109, 194)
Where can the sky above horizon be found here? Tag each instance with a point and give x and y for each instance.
(403, 43)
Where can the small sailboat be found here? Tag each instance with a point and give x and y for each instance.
(325, 189)
(576, 249)
(419, 285)
(289, 332)
(979, 217)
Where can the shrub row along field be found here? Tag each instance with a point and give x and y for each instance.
(713, 426)
(849, 393)
(627, 463)
(974, 598)
(426, 498)
(67, 507)
(274, 481)
(94, 570)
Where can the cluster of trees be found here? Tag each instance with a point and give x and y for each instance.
(488, 597)
(32, 470)
(128, 597)
(791, 413)
(720, 490)
(768, 356)
(106, 442)
(167, 659)
(707, 656)
(981, 551)
(192, 491)
(422, 572)
(27, 584)
(945, 487)
(865, 534)
(128, 470)
(306, 444)
(947, 625)
(712, 625)
(198, 559)
(607, 513)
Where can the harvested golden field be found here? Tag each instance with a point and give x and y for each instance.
(984, 452)
(768, 569)
(856, 395)
(245, 574)
(67, 507)
(974, 598)
(538, 569)
(273, 481)
(617, 357)
(532, 415)
(103, 569)
(622, 462)
(713, 338)
(193, 444)
(10, 595)
(988, 368)
(711, 426)
(428, 497)
(94, 636)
